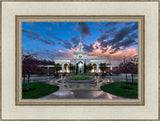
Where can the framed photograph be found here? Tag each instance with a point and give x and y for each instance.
(79, 72)
(80, 60)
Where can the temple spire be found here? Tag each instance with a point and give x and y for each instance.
(80, 44)
(80, 38)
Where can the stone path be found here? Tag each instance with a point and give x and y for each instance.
(80, 94)
(79, 91)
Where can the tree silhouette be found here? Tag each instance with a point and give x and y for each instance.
(57, 67)
(129, 66)
(103, 67)
(71, 67)
(89, 67)
(29, 66)
(84, 67)
(133, 66)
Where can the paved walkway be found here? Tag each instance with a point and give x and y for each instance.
(79, 91)
(80, 94)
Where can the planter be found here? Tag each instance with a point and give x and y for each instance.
(80, 81)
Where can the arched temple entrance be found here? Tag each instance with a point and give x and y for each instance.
(80, 67)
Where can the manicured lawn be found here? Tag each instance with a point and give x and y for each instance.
(116, 88)
(38, 90)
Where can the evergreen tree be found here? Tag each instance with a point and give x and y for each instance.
(77, 68)
(84, 67)
(89, 67)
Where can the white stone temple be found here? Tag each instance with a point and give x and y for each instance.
(80, 58)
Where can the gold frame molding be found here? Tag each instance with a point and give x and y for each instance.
(80, 18)
(49, 104)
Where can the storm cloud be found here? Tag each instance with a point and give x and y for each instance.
(75, 40)
(64, 43)
(88, 48)
(32, 35)
(122, 38)
(84, 29)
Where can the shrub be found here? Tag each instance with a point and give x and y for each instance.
(80, 78)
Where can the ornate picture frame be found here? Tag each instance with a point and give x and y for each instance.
(143, 48)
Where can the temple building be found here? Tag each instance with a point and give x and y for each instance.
(80, 58)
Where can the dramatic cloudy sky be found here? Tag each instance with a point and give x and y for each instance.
(110, 40)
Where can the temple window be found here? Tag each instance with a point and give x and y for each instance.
(80, 56)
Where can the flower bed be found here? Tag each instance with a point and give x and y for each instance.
(80, 74)
(80, 78)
